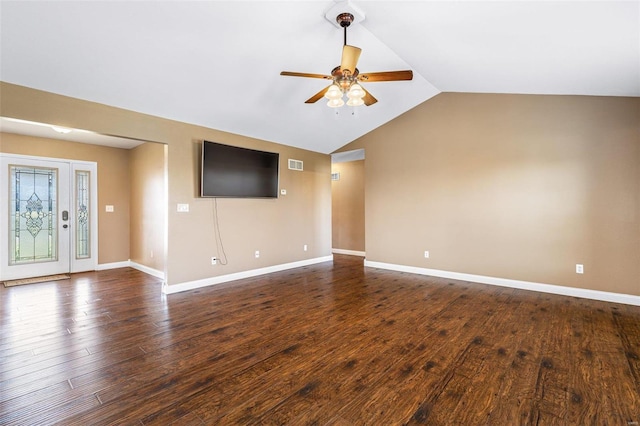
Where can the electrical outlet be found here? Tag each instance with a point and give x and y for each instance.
(214, 260)
(151, 254)
(257, 254)
(109, 208)
(304, 247)
(426, 254)
(579, 269)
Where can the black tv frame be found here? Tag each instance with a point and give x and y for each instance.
(228, 171)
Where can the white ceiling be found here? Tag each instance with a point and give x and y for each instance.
(217, 64)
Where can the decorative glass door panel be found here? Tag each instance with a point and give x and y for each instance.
(33, 217)
(84, 214)
(83, 211)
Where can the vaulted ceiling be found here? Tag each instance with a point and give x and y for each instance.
(217, 64)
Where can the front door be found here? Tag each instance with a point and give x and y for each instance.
(46, 217)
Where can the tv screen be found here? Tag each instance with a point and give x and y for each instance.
(230, 171)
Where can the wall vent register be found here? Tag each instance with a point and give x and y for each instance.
(295, 165)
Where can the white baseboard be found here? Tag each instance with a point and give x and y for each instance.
(605, 296)
(131, 264)
(349, 252)
(114, 265)
(191, 285)
(147, 270)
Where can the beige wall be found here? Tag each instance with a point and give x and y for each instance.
(148, 205)
(113, 185)
(278, 228)
(512, 186)
(347, 206)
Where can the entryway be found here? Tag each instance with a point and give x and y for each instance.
(48, 216)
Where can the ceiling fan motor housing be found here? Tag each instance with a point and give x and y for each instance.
(344, 80)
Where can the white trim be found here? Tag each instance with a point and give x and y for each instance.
(147, 270)
(191, 285)
(605, 296)
(114, 265)
(54, 159)
(349, 252)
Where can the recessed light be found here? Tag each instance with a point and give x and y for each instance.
(62, 130)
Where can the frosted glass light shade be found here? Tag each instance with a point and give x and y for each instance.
(356, 91)
(333, 92)
(355, 102)
(335, 103)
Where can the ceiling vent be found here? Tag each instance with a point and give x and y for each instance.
(295, 165)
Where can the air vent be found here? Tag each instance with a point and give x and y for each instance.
(335, 176)
(295, 165)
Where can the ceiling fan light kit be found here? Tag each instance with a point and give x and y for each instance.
(335, 94)
(346, 76)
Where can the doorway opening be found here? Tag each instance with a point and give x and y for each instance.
(347, 202)
(130, 212)
(50, 226)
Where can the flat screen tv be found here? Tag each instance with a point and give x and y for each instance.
(234, 172)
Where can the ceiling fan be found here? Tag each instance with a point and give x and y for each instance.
(346, 77)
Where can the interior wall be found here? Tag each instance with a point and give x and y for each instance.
(512, 186)
(113, 185)
(279, 228)
(347, 206)
(147, 171)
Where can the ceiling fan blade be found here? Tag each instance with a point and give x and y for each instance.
(315, 98)
(350, 56)
(386, 76)
(304, 74)
(368, 98)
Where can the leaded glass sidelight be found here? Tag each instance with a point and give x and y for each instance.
(33, 215)
(82, 215)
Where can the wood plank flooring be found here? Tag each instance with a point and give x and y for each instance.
(328, 344)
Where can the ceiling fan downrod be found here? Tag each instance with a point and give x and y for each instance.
(345, 19)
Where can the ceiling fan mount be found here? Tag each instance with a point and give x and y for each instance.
(346, 77)
(344, 19)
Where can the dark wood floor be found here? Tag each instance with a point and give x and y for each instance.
(329, 344)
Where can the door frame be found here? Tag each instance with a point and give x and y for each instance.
(75, 265)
